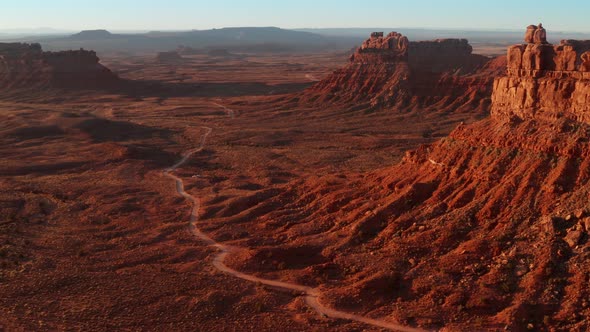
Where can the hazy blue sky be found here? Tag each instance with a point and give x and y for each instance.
(203, 14)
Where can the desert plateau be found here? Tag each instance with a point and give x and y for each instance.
(270, 179)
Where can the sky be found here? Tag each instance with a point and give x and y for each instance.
(557, 15)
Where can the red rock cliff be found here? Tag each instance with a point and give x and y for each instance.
(378, 49)
(545, 82)
(388, 71)
(443, 55)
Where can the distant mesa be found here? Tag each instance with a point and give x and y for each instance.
(27, 66)
(395, 48)
(92, 34)
(187, 50)
(389, 70)
(168, 57)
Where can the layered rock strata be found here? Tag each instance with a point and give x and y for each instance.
(545, 82)
(388, 71)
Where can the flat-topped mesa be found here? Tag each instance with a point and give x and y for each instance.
(92, 34)
(10, 52)
(442, 55)
(19, 51)
(434, 55)
(390, 70)
(71, 58)
(545, 81)
(24, 65)
(379, 49)
(443, 47)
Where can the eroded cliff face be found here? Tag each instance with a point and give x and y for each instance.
(27, 66)
(545, 82)
(382, 50)
(391, 71)
(443, 55)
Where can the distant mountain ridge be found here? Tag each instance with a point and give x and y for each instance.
(256, 39)
(235, 39)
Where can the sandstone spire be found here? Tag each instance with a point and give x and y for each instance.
(535, 34)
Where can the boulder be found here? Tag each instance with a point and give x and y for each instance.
(579, 214)
(573, 238)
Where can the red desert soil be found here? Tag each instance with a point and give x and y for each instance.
(481, 230)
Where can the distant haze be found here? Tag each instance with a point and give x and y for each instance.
(262, 39)
(144, 15)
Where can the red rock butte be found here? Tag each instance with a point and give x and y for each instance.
(437, 55)
(26, 65)
(378, 49)
(393, 71)
(545, 81)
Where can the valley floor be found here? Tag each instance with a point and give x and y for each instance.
(94, 236)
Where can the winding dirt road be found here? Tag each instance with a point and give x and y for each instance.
(312, 295)
(229, 111)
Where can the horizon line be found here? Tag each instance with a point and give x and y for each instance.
(52, 30)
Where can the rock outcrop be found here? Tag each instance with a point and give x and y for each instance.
(27, 66)
(545, 81)
(535, 34)
(438, 55)
(391, 71)
(378, 49)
